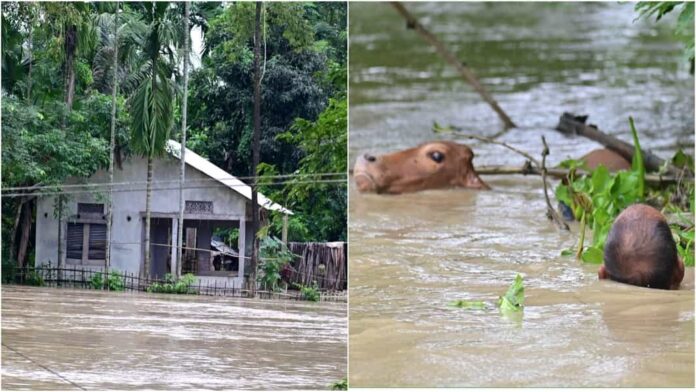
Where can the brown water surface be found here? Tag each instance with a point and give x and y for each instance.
(412, 254)
(98, 340)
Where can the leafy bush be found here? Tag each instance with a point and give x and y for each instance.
(274, 256)
(310, 293)
(9, 269)
(597, 198)
(33, 278)
(340, 385)
(115, 282)
(172, 286)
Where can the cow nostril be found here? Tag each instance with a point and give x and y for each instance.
(370, 158)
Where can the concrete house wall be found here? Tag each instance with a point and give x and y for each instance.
(128, 234)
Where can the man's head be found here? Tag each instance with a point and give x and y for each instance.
(432, 165)
(640, 250)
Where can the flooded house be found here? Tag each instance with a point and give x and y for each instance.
(215, 202)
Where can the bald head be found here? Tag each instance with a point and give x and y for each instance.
(640, 250)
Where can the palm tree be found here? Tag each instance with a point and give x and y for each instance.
(151, 103)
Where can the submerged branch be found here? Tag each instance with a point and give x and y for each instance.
(652, 179)
(550, 211)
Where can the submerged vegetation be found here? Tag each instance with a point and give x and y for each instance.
(115, 281)
(310, 293)
(598, 197)
(173, 286)
(511, 301)
(340, 385)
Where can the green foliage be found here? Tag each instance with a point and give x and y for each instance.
(319, 202)
(9, 269)
(36, 150)
(151, 103)
(230, 236)
(309, 293)
(33, 278)
(685, 22)
(463, 304)
(274, 256)
(173, 286)
(598, 197)
(513, 300)
(340, 385)
(305, 66)
(115, 281)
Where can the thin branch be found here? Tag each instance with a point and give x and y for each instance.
(550, 211)
(489, 140)
(464, 71)
(528, 169)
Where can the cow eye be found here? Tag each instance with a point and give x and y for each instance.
(437, 156)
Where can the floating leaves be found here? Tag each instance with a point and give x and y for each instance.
(513, 300)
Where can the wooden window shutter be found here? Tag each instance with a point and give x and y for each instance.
(74, 247)
(97, 242)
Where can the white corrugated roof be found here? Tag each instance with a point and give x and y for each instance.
(205, 166)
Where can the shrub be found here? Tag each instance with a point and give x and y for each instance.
(115, 282)
(33, 278)
(310, 293)
(340, 385)
(274, 256)
(172, 286)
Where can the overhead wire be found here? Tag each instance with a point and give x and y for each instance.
(218, 179)
(144, 188)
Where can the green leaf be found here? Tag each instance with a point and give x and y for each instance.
(513, 300)
(567, 252)
(464, 304)
(563, 195)
(600, 179)
(593, 255)
(680, 159)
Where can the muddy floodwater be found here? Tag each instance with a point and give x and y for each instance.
(410, 255)
(70, 339)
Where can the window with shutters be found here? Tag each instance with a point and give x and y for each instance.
(86, 243)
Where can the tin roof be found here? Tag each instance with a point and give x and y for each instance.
(232, 182)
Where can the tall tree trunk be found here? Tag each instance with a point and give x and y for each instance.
(184, 109)
(27, 220)
(15, 227)
(112, 148)
(70, 48)
(31, 57)
(255, 150)
(148, 199)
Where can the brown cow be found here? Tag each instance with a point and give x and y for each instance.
(432, 165)
(609, 158)
(441, 164)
